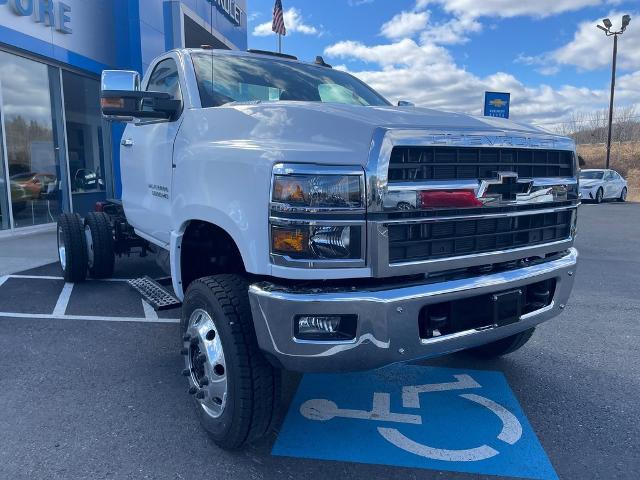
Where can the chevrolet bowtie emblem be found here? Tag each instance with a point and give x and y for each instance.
(498, 103)
(505, 188)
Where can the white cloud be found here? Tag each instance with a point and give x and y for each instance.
(427, 75)
(590, 50)
(357, 3)
(509, 8)
(405, 24)
(406, 51)
(453, 31)
(422, 70)
(544, 64)
(294, 22)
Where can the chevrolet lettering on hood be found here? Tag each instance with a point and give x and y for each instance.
(516, 141)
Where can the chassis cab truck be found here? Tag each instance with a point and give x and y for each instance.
(312, 226)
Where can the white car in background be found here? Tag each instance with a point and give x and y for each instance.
(605, 184)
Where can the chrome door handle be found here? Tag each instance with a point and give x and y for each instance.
(128, 142)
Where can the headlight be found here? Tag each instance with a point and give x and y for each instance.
(317, 216)
(316, 192)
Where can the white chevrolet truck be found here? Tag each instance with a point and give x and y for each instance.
(309, 225)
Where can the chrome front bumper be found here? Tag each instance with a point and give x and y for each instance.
(388, 330)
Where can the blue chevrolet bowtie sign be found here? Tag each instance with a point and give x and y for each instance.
(496, 104)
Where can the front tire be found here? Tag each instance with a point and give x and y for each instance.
(236, 391)
(99, 237)
(599, 196)
(72, 248)
(504, 346)
(623, 195)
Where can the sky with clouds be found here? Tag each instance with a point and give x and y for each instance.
(446, 53)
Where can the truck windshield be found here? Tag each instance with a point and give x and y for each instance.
(224, 79)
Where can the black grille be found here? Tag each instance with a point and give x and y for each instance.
(414, 164)
(426, 241)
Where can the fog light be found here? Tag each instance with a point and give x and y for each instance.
(325, 327)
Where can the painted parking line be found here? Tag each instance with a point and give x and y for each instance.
(37, 316)
(149, 312)
(63, 299)
(414, 416)
(88, 301)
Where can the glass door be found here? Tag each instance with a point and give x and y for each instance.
(85, 141)
(34, 177)
(5, 217)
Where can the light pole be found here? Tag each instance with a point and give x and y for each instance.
(626, 19)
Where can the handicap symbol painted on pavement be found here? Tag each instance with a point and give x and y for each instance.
(413, 416)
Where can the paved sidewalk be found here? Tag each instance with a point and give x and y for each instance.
(25, 251)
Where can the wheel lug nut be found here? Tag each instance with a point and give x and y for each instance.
(201, 358)
(184, 351)
(204, 381)
(193, 390)
(201, 394)
(186, 372)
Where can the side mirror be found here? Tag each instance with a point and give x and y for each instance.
(122, 99)
(404, 103)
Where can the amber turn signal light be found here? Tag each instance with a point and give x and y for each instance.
(112, 102)
(289, 240)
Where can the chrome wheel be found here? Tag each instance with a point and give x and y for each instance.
(89, 240)
(62, 250)
(205, 363)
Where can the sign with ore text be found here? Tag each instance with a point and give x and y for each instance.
(496, 104)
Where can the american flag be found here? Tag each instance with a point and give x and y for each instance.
(278, 19)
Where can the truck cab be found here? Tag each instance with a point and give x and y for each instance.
(312, 226)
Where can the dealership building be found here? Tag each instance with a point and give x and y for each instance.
(57, 154)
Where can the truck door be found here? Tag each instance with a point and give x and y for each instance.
(147, 161)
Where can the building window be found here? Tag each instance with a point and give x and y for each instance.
(33, 179)
(85, 140)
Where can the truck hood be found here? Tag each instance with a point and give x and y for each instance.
(411, 117)
(324, 133)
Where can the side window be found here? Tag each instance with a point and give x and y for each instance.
(165, 79)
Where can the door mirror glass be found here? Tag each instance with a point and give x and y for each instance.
(404, 103)
(122, 99)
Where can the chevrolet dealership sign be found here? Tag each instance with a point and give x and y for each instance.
(230, 9)
(57, 14)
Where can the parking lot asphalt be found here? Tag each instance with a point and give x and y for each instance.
(90, 384)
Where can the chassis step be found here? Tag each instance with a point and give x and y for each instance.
(154, 293)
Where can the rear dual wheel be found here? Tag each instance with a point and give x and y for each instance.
(99, 238)
(72, 248)
(85, 246)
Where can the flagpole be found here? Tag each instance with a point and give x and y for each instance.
(279, 43)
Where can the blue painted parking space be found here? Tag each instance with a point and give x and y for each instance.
(414, 416)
